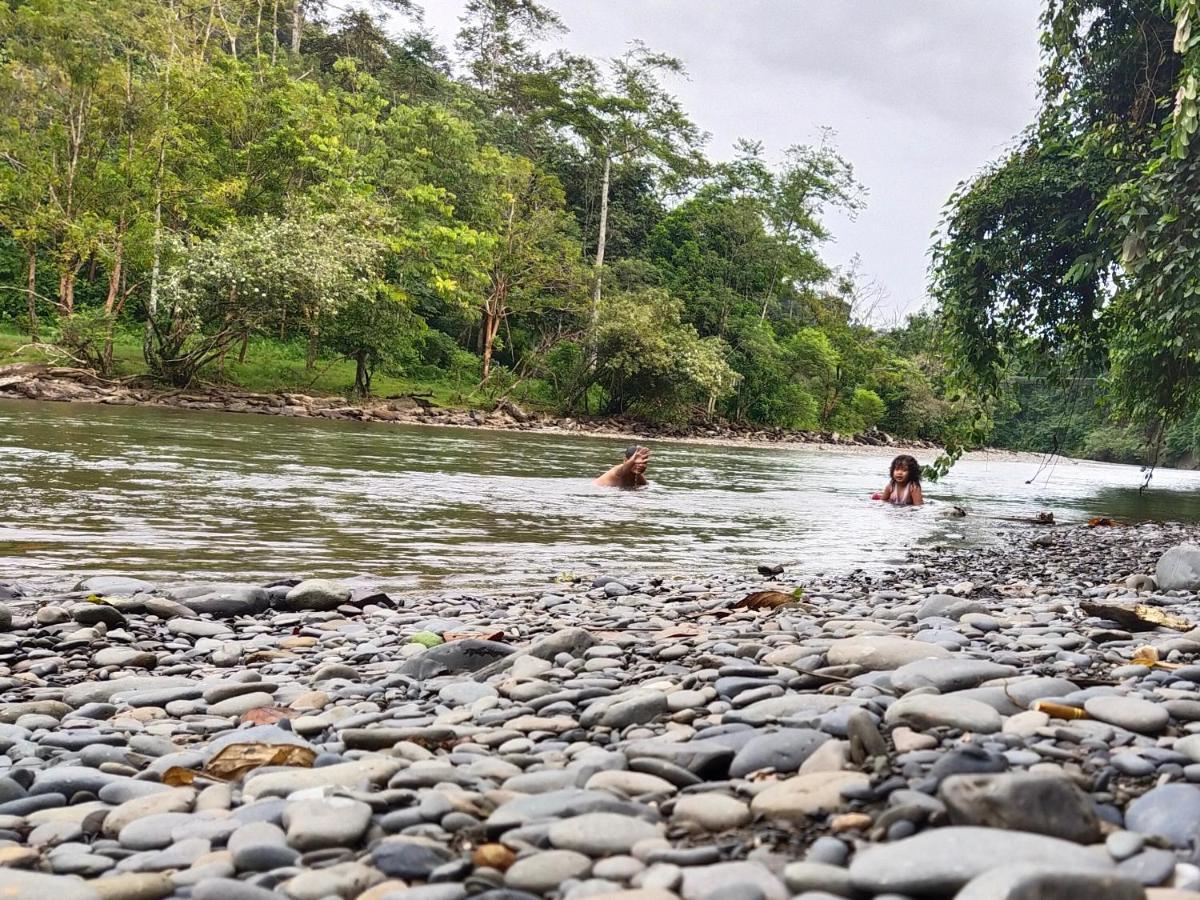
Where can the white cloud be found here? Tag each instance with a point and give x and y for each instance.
(921, 93)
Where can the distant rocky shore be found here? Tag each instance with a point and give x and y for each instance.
(40, 382)
(1005, 723)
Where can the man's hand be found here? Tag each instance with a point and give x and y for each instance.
(636, 464)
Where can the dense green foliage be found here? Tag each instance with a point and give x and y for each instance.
(1074, 261)
(212, 179)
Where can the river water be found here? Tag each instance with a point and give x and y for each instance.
(184, 495)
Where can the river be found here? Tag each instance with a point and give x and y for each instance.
(184, 495)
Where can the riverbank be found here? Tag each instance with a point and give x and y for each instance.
(32, 381)
(857, 736)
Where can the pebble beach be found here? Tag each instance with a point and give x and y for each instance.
(1016, 722)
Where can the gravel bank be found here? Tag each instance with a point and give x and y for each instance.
(882, 737)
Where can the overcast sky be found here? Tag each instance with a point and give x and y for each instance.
(921, 94)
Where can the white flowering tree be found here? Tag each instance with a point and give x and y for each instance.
(253, 275)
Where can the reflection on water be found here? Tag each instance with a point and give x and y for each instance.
(184, 494)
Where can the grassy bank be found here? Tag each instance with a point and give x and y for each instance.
(273, 367)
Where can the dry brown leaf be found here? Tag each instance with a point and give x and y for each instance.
(479, 635)
(766, 600)
(267, 715)
(178, 776)
(236, 760)
(1103, 522)
(681, 630)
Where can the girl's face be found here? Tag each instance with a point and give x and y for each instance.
(900, 475)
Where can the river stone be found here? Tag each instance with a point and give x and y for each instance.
(226, 601)
(601, 833)
(796, 799)
(347, 879)
(1042, 882)
(921, 711)
(784, 751)
(881, 652)
(454, 658)
(110, 585)
(942, 860)
(152, 832)
(96, 613)
(546, 870)
(103, 691)
(18, 885)
(1179, 569)
(552, 805)
(743, 879)
(622, 710)
(317, 594)
(1131, 713)
(230, 889)
(710, 812)
(125, 658)
(792, 705)
(329, 822)
(408, 858)
(370, 771)
(815, 876)
(1171, 811)
(947, 606)
(176, 800)
(947, 674)
(1022, 801)
(69, 780)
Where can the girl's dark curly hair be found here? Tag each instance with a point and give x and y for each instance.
(904, 461)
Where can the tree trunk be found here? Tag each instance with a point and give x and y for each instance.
(66, 289)
(297, 25)
(600, 239)
(362, 375)
(114, 275)
(31, 294)
(491, 327)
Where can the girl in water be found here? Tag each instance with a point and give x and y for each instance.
(905, 487)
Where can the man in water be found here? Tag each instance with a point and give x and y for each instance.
(629, 474)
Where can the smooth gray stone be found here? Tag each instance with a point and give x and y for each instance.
(230, 889)
(1032, 882)
(1151, 867)
(151, 832)
(103, 691)
(601, 833)
(784, 751)
(948, 606)
(947, 674)
(744, 879)
(1131, 713)
(942, 860)
(1171, 811)
(554, 805)
(1179, 569)
(111, 585)
(69, 780)
(456, 657)
(813, 876)
(1022, 801)
(546, 870)
(19, 885)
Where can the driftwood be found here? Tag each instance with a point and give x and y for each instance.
(1139, 617)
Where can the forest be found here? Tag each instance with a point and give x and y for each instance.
(280, 195)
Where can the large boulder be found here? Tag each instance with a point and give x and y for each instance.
(1179, 569)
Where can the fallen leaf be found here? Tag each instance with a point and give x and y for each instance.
(480, 635)
(1103, 522)
(679, 631)
(766, 600)
(267, 715)
(177, 776)
(236, 760)
(1147, 655)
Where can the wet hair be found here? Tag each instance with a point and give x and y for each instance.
(904, 461)
(631, 449)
